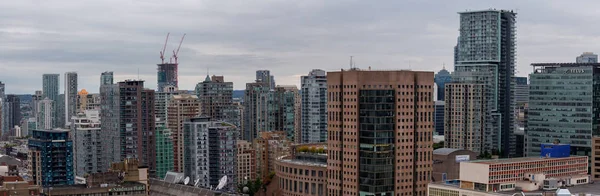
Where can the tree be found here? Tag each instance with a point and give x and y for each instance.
(485, 155)
(438, 145)
(253, 186)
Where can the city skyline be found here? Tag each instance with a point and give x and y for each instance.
(381, 37)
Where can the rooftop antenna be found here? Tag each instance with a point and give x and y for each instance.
(350, 62)
(443, 65)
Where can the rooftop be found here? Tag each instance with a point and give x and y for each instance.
(445, 151)
(302, 162)
(518, 160)
(563, 64)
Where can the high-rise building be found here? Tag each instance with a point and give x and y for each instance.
(265, 77)
(216, 99)
(166, 76)
(45, 114)
(180, 108)
(2, 90)
(464, 117)
(109, 115)
(441, 78)
(162, 99)
(88, 141)
(380, 132)
(210, 152)
(287, 100)
(438, 117)
(521, 91)
(59, 108)
(50, 89)
(246, 162)
(164, 150)
(28, 126)
(563, 106)
(259, 110)
(87, 101)
(587, 57)
(492, 63)
(35, 98)
(70, 96)
(50, 158)
(314, 107)
(136, 123)
(12, 117)
(269, 146)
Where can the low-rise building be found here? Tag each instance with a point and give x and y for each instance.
(446, 163)
(304, 172)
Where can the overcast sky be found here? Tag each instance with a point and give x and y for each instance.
(235, 38)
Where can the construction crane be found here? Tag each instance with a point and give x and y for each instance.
(162, 53)
(175, 52)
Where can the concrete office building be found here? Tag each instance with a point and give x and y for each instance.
(441, 78)
(438, 117)
(166, 76)
(380, 132)
(314, 107)
(136, 123)
(246, 161)
(50, 89)
(563, 106)
(164, 150)
(259, 110)
(465, 117)
(88, 141)
(265, 77)
(287, 100)
(180, 108)
(486, 55)
(210, 152)
(109, 113)
(216, 99)
(302, 173)
(70, 96)
(50, 158)
(45, 114)
(87, 101)
(587, 57)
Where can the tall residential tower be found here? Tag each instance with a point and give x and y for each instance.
(70, 96)
(314, 107)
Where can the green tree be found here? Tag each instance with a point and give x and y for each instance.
(254, 186)
(438, 145)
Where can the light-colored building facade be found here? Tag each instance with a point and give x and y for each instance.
(314, 108)
(87, 101)
(391, 154)
(216, 99)
(70, 96)
(45, 114)
(270, 146)
(88, 143)
(464, 117)
(210, 152)
(180, 108)
(246, 161)
(587, 57)
(302, 173)
(162, 100)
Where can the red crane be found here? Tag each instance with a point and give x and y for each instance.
(162, 53)
(177, 52)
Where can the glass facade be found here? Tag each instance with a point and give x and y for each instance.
(376, 138)
(56, 157)
(562, 106)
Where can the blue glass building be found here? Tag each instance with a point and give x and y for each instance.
(440, 79)
(51, 158)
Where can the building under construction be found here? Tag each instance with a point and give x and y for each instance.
(167, 71)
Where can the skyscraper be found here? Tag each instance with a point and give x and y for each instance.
(587, 57)
(492, 63)
(50, 90)
(166, 76)
(88, 143)
(563, 106)
(441, 78)
(136, 123)
(180, 108)
(314, 107)
(259, 110)
(109, 115)
(216, 99)
(2, 90)
(464, 117)
(266, 77)
(164, 150)
(161, 101)
(287, 100)
(210, 152)
(35, 98)
(438, 117)
(12, 107)
(380, 132)
(45, 114)
(50, 158)
(70, 96)
(521, 91)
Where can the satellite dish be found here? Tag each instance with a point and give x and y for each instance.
(222, 183)
(186, 181)
(196, 182)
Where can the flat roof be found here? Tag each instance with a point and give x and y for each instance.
(303, 162)
(593, 189)
(518, 160)
(563, 64)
